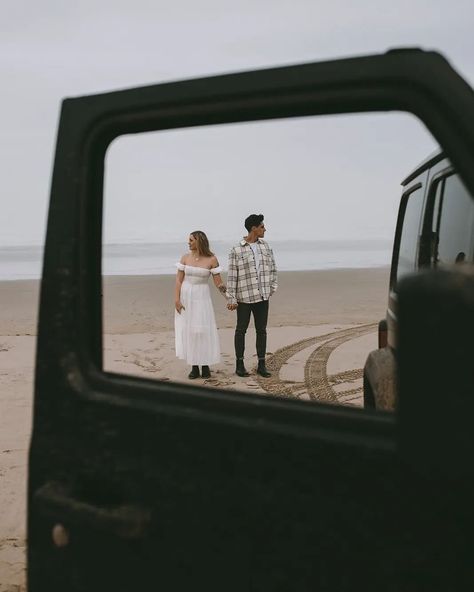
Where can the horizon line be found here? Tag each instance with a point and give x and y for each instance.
(223, 240)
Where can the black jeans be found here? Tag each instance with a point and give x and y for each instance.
(260, 316)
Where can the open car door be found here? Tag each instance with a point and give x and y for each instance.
(146, 485)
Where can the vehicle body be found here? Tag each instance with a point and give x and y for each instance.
(435, 230)
(138, 484)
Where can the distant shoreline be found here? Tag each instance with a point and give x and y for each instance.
(17, 263)
(149, 275)
(144, 303)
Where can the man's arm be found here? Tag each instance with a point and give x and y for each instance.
(273, 276)
(232, 277)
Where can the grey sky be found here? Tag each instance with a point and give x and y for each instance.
(321, 178)
(52, 49)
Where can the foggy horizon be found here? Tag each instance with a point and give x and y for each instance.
(52, 51)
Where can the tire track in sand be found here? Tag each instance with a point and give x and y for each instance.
(317, 384)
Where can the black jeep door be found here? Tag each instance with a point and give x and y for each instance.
(146, 485)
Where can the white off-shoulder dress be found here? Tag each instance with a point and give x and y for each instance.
(196, 337)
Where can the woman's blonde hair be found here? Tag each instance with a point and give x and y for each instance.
(202, 243)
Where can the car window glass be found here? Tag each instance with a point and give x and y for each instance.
(436, 192)
(329, 190)
(408, 249)
(455, 224)
(429, 239)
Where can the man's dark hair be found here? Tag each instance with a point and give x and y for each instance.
(253, 220)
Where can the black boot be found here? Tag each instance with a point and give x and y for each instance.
(262, 369)
(194, 372)
(205, 372)
(240, 368)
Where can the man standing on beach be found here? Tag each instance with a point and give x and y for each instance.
(251, 280)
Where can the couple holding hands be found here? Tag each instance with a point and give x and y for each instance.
(251, 280)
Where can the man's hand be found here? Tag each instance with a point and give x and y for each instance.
(232, 306)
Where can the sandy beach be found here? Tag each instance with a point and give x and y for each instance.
(322, 324)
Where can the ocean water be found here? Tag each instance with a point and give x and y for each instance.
(25, 262)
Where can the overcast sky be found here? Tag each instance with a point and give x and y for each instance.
(321, 178)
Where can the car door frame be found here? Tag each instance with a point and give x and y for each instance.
(69, 351)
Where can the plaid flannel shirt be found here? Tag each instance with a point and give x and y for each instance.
(243, 284)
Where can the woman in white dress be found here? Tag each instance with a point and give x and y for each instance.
(196, 337)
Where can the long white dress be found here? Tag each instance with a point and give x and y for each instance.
(196, 338)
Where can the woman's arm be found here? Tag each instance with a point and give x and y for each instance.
(216, 276)
(177, 290)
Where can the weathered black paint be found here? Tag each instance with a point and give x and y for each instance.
(225, 491)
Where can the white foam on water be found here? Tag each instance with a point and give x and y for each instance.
(25, 262)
